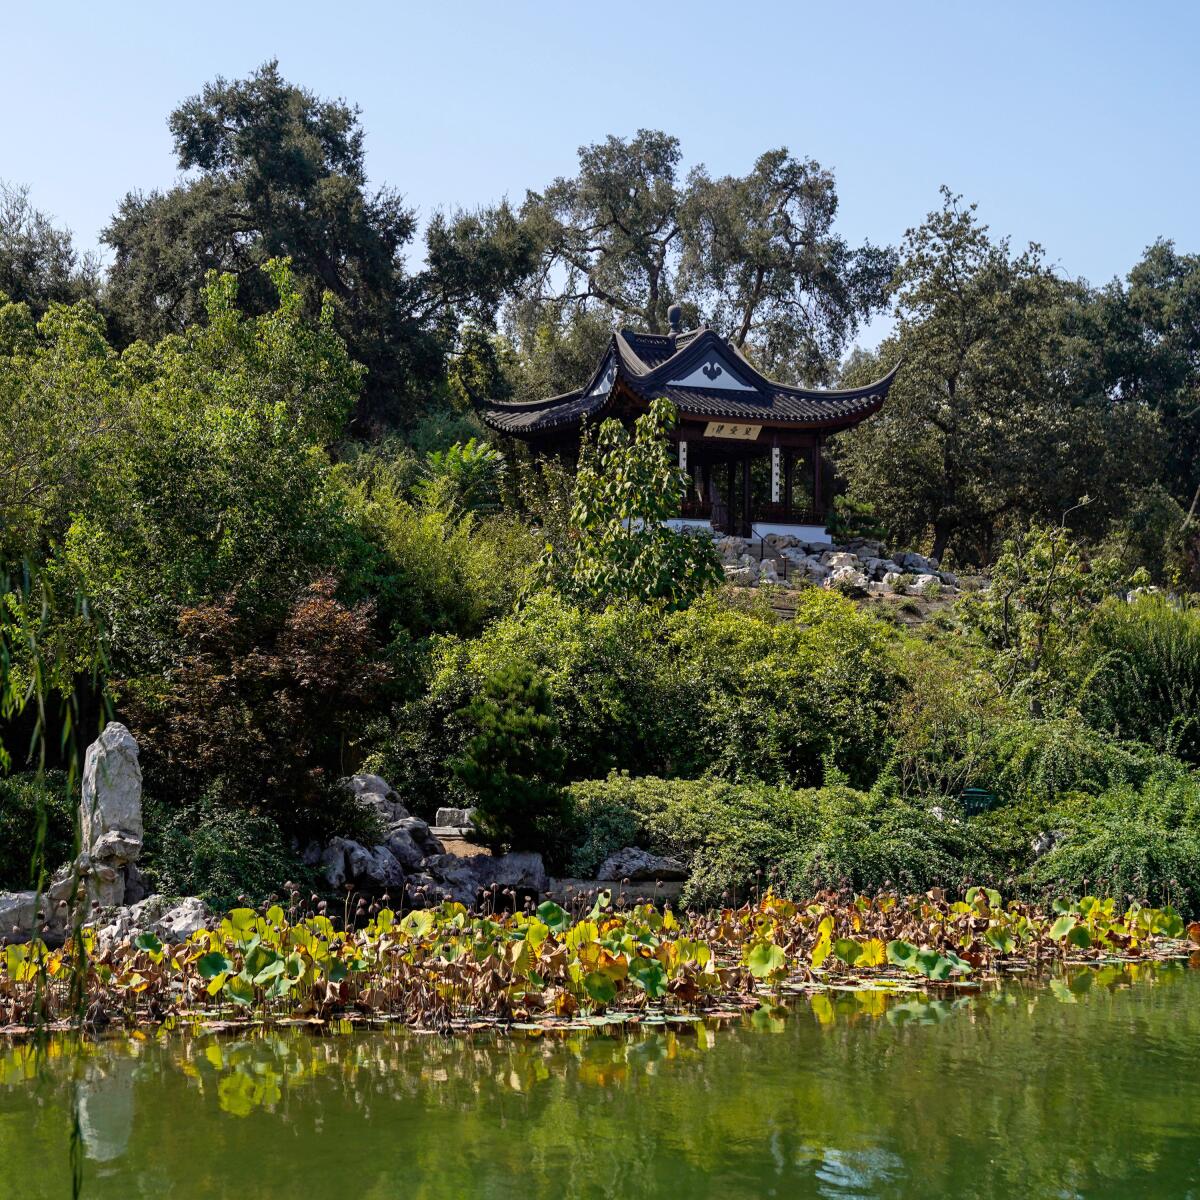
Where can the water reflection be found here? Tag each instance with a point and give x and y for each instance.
(106, 1107)
(1021, 1089)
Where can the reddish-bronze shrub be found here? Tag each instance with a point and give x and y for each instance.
(265, 717)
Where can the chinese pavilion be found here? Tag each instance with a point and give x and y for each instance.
(751, 447)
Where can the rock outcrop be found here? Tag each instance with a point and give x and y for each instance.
(854, 567)
(463, 878)
(411, 841)
(411, 863)
(407, 843)
(17, 910)
(170, 921)
(640, 865)
(378, 796)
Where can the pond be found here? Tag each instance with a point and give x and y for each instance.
(1087, 1088)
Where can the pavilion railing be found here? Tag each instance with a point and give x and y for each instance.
(701, 510)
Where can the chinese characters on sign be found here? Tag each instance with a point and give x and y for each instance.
(731, 429)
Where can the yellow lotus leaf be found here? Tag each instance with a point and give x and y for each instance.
(874, 952)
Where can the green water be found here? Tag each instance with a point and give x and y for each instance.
(1020, 1092)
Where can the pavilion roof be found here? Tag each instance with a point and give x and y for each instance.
(703, 374)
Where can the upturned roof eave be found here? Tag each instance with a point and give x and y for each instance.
(642, 382)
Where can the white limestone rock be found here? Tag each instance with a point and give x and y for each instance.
(837, 560)
(170, 921)
(110, 814)
(111, 807)
(847, 579)
(179, 922)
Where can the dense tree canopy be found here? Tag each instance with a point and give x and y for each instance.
(999, 415)
(1147, 335)
(275, 171)
(39, 264)
(755, 256)
(762, 262)
(161, 476)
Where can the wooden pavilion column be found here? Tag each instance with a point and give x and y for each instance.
(729, 495)
(817, 505)
(746, 496)
(789, 464)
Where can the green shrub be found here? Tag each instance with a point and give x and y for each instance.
(24, 800)
(1043, 594)
(1140, 843)
(1142, 681)
(216, 851)
(599, 827)
(1041, 760)
(943, 720)
(606, 676)
(429, 569)
(714, 689)
(736, 838)
(513, 763)
(871, 842)
(850, 518)
(463, 478)
(732, 837)
(627, 486)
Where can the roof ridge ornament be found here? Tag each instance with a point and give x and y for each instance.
(675, 319)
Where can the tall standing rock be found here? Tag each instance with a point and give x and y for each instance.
(110, 821)
(110, 814)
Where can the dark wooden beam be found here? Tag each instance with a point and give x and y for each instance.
(746, 497)
(818, 506)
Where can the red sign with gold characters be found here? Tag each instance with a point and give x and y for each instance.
(731, 429)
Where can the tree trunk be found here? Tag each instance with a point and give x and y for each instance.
(942, 531)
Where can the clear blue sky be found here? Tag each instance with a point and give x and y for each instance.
(1075, 124)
